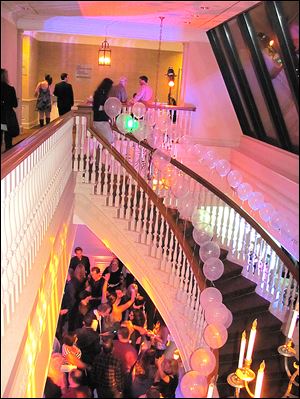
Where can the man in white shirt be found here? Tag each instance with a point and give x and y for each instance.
(145, 92)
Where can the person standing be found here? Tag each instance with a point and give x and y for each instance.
(145, 92)
(119, 90)
(101, 119)
(107, 372)
(43, 103)
(8, 103)
(80, 258)
(64, 93)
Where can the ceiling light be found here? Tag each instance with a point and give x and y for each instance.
(104, 54)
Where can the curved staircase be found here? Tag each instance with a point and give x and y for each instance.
(239, 293)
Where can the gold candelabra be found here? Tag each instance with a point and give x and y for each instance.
(243, 375)
(288, 351)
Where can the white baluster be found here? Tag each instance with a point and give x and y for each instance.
(82, 141)
(118, 186)
(159, 249)
(87, 160)
(132, 220)
(140, 206)
(100, 180)
(76, 152)
(170, 253)
(93, 176)
(150, 225)
(143, 234)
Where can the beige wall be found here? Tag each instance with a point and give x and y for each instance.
(9, 50)
(215, 121)
(55, 58)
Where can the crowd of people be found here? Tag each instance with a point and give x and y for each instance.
(110, 340)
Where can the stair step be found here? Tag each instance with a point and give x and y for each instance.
(265, 345)
(247, 304)
(231, 269)
(236, 286)
(265, 321)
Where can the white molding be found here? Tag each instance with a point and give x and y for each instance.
(96, 40)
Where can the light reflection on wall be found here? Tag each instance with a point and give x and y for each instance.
(44, 317)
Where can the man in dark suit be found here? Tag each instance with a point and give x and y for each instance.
(79, 258)
(64, 93)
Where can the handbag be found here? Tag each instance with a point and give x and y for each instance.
(12, 123)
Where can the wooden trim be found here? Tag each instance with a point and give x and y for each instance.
(153, 105)
(13, 157)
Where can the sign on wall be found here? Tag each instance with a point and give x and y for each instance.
(83, 71)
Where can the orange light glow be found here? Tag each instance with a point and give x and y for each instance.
(171, 83)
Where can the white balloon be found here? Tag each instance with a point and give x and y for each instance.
(244, 190)
(223, 167)
(203, 233)
(234, 178)
(256, 200)
(208, 250)
(210, 159)
(139, 110)
(266, 212)
(112, 107)
(213, 268)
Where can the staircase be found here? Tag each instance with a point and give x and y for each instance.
(147, 227)
(246, 305)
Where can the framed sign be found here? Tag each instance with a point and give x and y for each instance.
(83, 71)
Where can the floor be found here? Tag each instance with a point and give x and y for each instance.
(23, 135)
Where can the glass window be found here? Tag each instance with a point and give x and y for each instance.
(247, 63)
(270, 49)
(220, 37)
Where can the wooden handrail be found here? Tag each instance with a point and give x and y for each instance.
(252, 222)
(159, 204)
(12, 158)
(152, 105)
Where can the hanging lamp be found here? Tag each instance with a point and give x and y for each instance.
(104, 54)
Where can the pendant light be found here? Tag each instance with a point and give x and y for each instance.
(104, 54)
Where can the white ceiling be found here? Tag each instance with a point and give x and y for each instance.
(183, 19)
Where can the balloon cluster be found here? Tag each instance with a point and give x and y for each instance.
(243, 190)
(218, 317)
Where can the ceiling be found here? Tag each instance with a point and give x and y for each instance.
(180, 17)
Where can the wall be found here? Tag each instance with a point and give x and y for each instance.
(11, 54)
(9, 35)
(214, 122)
(55, 58)
(29, 336)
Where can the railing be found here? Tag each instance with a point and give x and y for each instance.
(178, 119)
(33, 178)
(276, 276)
(127, 191)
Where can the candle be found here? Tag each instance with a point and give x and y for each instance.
(242, 350)
(259, 380)
(293, 323)
(251, 340)
(210, 390)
